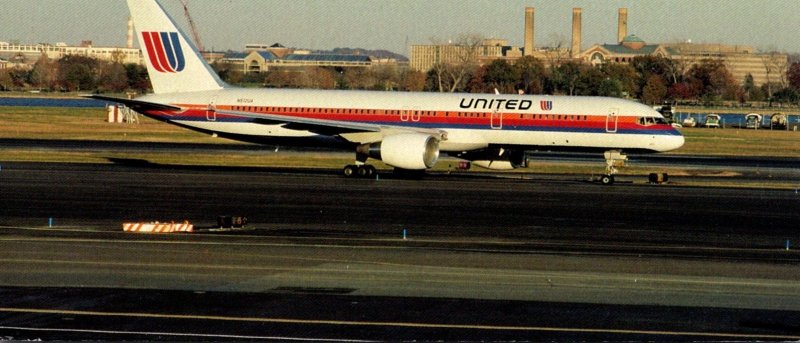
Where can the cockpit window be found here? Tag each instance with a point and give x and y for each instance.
(647, 121)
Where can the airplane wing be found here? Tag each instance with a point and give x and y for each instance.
(315, 125)
(319, 126)
(332, 127)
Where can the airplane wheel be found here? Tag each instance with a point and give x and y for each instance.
(371, 171)
(365, 171)
(607, 179)
(350, 171)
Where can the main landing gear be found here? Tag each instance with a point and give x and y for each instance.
(362, 171)
(614, 159)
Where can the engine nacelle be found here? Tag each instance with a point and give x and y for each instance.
(406, 150)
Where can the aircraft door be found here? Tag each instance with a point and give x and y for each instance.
(405, 114)
(611, 120)
(496, 120)
(211, 111)
(416, 115)
(412, 114)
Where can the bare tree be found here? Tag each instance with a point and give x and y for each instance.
(775, 65)
(6, 82)
(557, 52)
(456, 61)
(676, 68)
(413, 81)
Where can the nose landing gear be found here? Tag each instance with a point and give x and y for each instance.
(614, 159)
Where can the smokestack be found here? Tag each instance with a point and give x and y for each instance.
(576, 32)
(622, 29)
(130, 33)
(528, 49)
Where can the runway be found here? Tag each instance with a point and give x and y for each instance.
(324, 257)
(745, 163)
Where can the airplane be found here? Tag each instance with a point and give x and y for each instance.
(405, 130)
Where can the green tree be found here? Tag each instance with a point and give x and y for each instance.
(749, 90)
(532, 73)
(712, 80)
(647, 66)
(113, 77)
(44, 73)
(654, 91)
(77, 73)
(590, 81)
(501, 76)
(566, 77)
(623, 77)
(787, 95)
(138, 78)
(19, 77)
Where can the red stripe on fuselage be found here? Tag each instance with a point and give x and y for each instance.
(443, 118)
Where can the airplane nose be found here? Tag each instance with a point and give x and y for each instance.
(670, 142)
(678, 142)
(674, 142)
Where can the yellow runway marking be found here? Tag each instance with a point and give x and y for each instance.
(397, 324)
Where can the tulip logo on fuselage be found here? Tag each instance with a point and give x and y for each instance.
(164, 51)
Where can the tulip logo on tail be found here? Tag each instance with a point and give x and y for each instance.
(164, 50)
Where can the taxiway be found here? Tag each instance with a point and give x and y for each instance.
(323, 257)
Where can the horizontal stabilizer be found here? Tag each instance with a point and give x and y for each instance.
(136, 105)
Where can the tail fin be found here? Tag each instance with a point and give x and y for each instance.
(173, 63)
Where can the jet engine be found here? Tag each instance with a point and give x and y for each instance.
(414, 151)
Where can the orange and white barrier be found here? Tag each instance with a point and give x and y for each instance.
(157, 227)
(114, 114)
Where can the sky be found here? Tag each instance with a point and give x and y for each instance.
(767, 25)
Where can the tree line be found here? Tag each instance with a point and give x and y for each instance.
(76, 73)
(651, 79)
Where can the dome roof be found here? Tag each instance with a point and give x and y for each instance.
(633, 42)
(632, 39)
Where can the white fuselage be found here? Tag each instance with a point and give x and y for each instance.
(471, 121)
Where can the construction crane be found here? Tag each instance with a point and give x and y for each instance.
(195, 34)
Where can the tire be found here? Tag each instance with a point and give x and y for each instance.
(371, 171)
(607, 179)
(350, 171)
